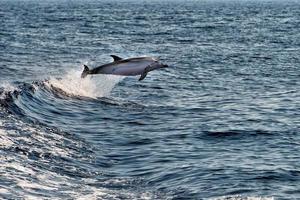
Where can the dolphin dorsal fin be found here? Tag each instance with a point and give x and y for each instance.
(116, 58)
(144, 74)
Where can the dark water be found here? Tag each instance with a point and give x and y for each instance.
(221, 123)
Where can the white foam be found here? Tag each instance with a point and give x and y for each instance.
(4, 139)
(239, 197)
(96, 193)
(91, 86)
(20, 168)
(27, 184)
(3, 191)
(7, 87)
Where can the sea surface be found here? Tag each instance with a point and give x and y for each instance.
(222, 122)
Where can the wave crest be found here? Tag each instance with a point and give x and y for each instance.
(91, 86)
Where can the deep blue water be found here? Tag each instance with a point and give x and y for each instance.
(221, 123)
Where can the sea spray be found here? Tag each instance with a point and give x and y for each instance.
(91, 86)
(5, 88)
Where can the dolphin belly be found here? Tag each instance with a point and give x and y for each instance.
(127, 69)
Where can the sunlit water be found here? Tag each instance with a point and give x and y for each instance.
(221, 123)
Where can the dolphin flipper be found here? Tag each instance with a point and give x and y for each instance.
(116, 58)
(144, 74)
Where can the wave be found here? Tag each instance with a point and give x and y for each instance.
(71, 84)
(43, 160)
(7, 88)
(69, 103)
(236, 134)
(46, 163)
(48, 101)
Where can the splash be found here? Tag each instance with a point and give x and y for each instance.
(5, 88)
(91, 86)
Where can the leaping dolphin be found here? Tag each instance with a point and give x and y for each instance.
(126, 67)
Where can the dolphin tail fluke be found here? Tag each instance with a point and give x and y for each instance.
(85, 72)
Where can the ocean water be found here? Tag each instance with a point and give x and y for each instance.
(222, 122)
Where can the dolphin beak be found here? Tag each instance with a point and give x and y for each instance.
(165, 66)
